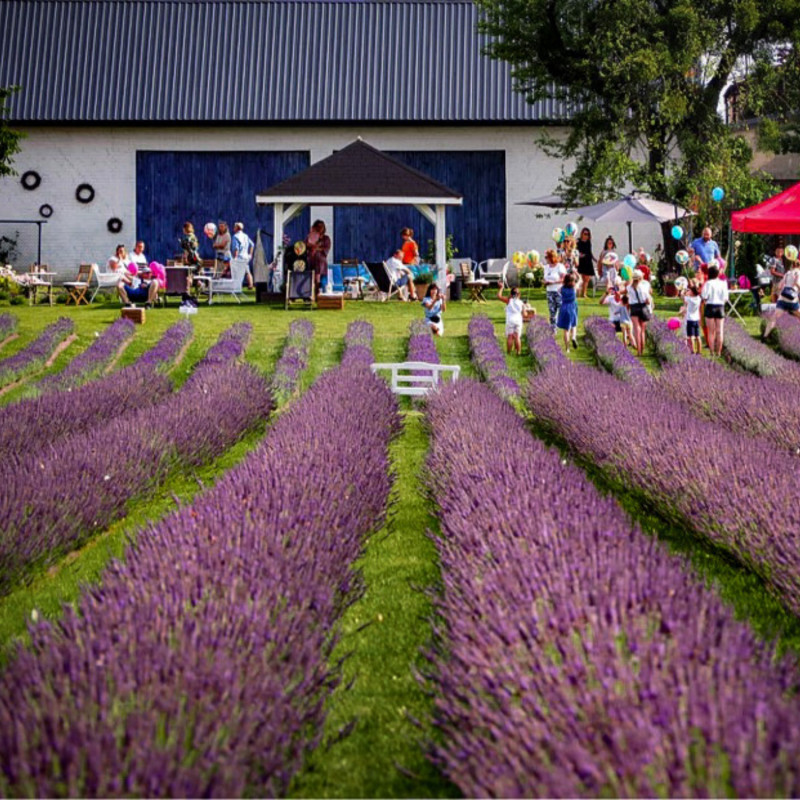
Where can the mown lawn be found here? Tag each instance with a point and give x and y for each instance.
(383, 632)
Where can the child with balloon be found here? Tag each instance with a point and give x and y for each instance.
(691, 310)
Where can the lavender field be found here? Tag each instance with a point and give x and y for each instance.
(232, 563)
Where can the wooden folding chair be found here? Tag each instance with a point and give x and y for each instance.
(475, 287)
(77, 289)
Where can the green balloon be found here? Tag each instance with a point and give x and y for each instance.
(625, 273)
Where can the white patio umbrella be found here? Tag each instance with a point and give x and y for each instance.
(633, 208)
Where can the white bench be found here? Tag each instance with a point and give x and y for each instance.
(405, 382)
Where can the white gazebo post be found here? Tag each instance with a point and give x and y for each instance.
(277, 241)
(441, 254)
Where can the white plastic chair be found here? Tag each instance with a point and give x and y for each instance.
(492, 269)
(232, 285)
(104, 280)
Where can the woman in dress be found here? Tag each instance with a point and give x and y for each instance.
(568, 313)
(434, 306)
(641, 307)
(318, 245)
(585, 260)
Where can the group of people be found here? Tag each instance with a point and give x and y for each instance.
(226, 248)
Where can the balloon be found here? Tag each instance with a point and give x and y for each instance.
(682, 257)
(610, 259)
(673, 323)
(717, 193)
(519, 258)
(570, 229)
(681, 283)
(210, 230)
(677, 232)
(790, 253)
(533, 258)
(629, 261)
(558, 235)
(744, 282)
(625, 274)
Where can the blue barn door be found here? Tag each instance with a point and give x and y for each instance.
(478, 226)
(173, 187)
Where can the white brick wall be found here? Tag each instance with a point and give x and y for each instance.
(106, 158)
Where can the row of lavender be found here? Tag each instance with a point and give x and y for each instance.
(293, 361)
(578, 658)
(700, 474)
(741, 401)
(8, 324)
(55, 498)
(200, 666)
(30, 424)
(488, 358)
(92, 361)
(35, 354)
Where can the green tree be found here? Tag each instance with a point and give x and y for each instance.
(9, 139)
(643, 79)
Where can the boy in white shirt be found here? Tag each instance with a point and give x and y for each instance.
(691, 308)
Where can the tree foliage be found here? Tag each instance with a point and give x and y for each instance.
(9, 139)
(643, 79)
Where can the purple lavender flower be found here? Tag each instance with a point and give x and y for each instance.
(8, 324)
(667, 346)
(166, 350)
(612, 353)
(293, 360)
(754, 356)
(37, 352)
(200, 666)
(576, 657)
(358, 344)
(488, 358)
(544, 350)
(787, 335)
(91, 361)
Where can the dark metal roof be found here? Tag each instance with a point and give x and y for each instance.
(359, 173)
(255, 61)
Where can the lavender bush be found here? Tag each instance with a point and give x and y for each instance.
(293, 360)
(8, 324)
(612, 354)
(37, 352)
(200, 666)
(545, 352)
(668, 347)
(488, 358)
(754, 356)
(91, 361)
(54, 499)
(787, 336)
(421, 346)
(576, 657)
(166, 350)
(703, 476)
(230, 345)
(358, 344)
(742, 402)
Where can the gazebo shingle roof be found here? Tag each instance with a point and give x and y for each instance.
(359, 173)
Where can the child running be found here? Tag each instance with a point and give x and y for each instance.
(568, 313)
(691, 308)
(516, 312)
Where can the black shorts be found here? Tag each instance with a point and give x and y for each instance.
(693, 328)
(637, 310)
(715, 311)
(617, 326)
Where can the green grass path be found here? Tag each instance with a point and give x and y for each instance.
(382, 633)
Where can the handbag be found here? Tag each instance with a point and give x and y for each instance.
(789, 294)
(647, 314)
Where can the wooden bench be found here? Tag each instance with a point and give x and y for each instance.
(404, 381)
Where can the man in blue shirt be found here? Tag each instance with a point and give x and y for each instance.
(242, 246)
(706, 247)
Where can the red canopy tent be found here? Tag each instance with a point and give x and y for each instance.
(778, 214)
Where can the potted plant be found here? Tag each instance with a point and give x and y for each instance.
(422, 280)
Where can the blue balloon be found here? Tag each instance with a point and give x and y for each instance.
(717, 193)
(629, 261)
(677, 232)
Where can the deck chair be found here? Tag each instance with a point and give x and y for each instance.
(41, 280)
(300, 285)
(177, 276)
(383, 278)
(77, 289)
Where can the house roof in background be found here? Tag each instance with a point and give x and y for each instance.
(222, 61)
(359, 173)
